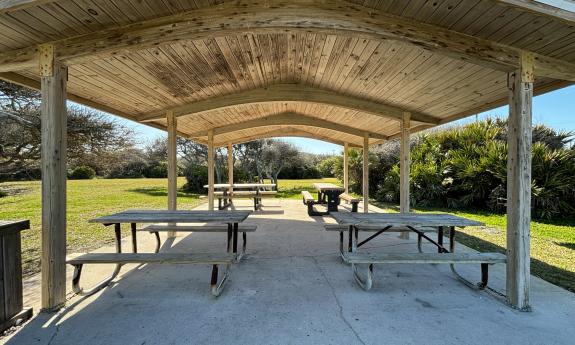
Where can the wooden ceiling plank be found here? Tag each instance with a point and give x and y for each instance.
(320, 17)
(541, 8)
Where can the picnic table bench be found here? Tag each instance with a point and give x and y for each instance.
(421, 224)
(171, 218)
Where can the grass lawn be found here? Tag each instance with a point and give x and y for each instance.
(291, 189)
(86, 199)
(552, 243)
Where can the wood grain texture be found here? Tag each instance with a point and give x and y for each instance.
(152, 258)
(211, 180)
(172, 122)
(325, 17)
(346, 167)
(179, 216)
(288, 119)
(365, 177)
(519, 187)
(293, 93)
(425, 258)
(54, 119)
(382, 220)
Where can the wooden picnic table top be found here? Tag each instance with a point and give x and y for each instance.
(10, 226)
(382, 220)
(326, 186)
(179, 216)
(242, 185)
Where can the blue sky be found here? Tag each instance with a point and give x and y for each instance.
(555, 109)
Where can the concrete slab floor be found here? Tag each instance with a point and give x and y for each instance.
(292, 288)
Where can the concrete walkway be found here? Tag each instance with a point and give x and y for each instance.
(293, 289)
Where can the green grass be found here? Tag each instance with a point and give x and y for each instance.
(86, 199)
(552, 243)
(291, 189)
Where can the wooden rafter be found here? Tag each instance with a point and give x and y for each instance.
(327, 16)
(283, 132)
(289, 119)
(292, 93)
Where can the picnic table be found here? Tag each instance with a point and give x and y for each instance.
(328, 193)
(255, 191)
(134, 217)
(419, 223)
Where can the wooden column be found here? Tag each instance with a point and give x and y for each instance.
(230, 167)
(53, 117)
(346, 167)
(172, 164)
(211, 169)
(520, 85)
(365, 173)
(404, 162)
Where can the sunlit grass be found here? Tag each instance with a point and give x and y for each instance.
(87, 199)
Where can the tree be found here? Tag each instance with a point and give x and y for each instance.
(276, 155)
(91, 134)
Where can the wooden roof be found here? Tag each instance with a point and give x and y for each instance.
(327, 69)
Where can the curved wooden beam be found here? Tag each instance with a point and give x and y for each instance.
(292, 93)
(284, 132)
(252, 16)
(289, 119)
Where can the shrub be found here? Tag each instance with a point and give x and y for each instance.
(327, 166)
(159, 170)
(467, 167)
(82, 172)
(197, 178)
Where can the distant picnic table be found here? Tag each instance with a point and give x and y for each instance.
(255, 191)
(328, 193)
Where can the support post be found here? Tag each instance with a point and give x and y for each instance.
(404, 163)
(365, 173)
(520, 85)
(172, 164)
(54, 119)
(346, 167)
(211, 169)
(230, 167)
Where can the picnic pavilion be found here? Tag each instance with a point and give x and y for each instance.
(354, 73)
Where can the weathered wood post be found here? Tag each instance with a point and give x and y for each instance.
(230, 167)
(365, 173)
(346, 167)
(12, 309)
(172, 164)
(54, 119)
(520, 85)
(211, 169)
(404, 162)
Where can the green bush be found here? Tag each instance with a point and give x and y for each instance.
(466, 167)
(197, 178)
(82, 173)
(159, 170)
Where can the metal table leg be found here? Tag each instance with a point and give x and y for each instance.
(134, 238)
